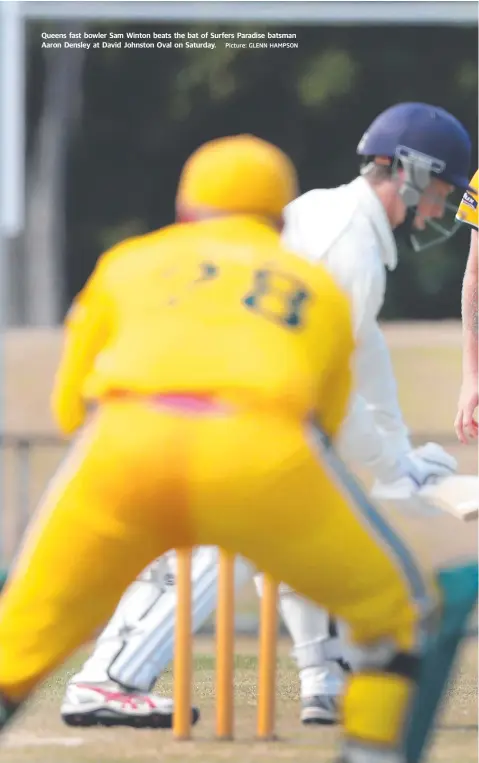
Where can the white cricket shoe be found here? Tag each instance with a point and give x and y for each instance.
(108, 704)
(320, 710)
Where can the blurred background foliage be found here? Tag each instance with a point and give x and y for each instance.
(143, 111)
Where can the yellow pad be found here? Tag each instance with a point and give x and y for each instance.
(375, 707)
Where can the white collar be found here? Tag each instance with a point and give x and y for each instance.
(376, 214)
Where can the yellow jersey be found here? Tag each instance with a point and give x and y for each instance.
(467, 212)
(217, 307)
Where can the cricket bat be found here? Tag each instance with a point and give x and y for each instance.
(458, 494)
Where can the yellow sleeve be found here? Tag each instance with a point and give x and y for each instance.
(86, 330)
(467, 212)
(337, 385)
(337, 390)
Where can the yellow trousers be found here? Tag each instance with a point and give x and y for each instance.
(142, 479)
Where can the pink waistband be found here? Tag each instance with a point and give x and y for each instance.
(189, 403)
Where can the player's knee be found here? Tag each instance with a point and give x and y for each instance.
(404, 665)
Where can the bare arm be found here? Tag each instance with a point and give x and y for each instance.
(469, 311)
(466, 425)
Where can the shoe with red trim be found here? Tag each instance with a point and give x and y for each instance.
(108, 704)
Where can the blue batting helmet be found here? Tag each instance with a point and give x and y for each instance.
(426, 142)
(429, 132)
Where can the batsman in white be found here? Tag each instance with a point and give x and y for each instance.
(413, 156)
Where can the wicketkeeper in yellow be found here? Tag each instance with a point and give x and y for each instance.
(218, 366)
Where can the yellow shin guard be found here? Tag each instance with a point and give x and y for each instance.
(376, 708)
